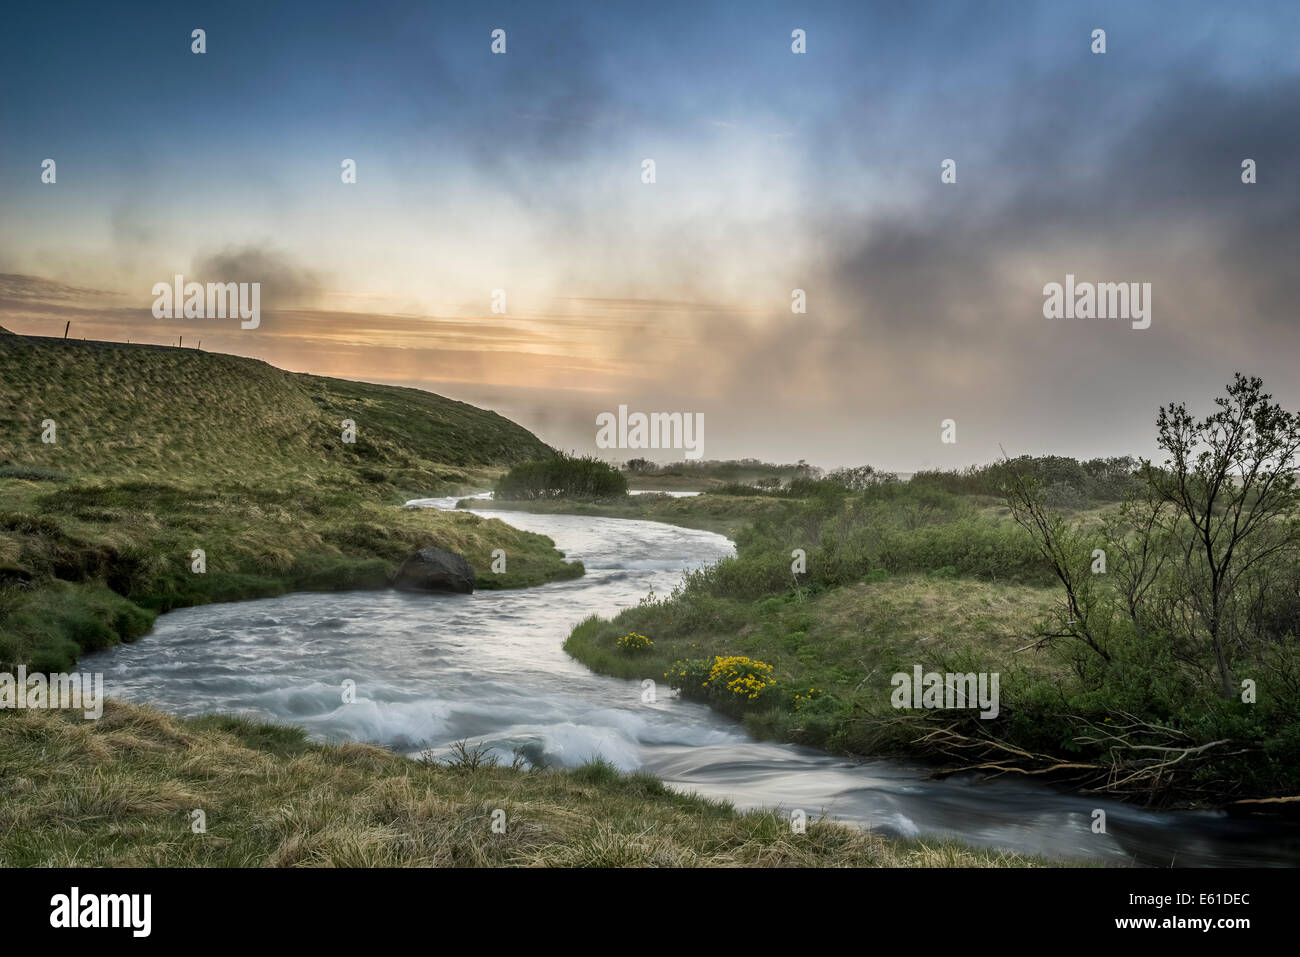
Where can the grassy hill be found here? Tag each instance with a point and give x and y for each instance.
(133, 411)
(157, 452)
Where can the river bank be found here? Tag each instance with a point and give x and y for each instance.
(124, 791)
(835, 592)
(90, 566)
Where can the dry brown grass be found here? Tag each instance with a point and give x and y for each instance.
(120, 791)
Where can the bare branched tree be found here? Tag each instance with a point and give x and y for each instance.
(1068, 553)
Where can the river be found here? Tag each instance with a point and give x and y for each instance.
(431, 670)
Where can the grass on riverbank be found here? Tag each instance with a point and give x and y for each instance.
(121, 791)
(841, 646)
(98, 563)
(834, 590)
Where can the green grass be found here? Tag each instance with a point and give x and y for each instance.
(162, 451)
(833, 590)
(900, 575)
(136, 412)
(844, 644)
(120, 792)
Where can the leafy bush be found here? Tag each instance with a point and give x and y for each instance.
(736, 488)
(860, 476)
(884, 528)
(1097, 480)
(562, 476)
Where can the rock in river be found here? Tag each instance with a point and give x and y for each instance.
(435, 569)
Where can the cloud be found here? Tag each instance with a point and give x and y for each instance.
(286, 284)
(929, 302)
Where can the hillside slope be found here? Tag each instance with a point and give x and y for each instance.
(118, 462)
(124, 410)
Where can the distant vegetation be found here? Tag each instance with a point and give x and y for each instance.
(1127, 678)
(560, 476)
(708, 473)
(1064, 483)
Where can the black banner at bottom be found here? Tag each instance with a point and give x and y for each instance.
(1220, 907)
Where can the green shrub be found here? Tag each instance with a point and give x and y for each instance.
(562, 476)
(736, 488)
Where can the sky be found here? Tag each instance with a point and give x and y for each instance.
(774, 171)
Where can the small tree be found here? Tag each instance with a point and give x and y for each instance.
(1197, 556)
(1083, 618)
(1230, 479)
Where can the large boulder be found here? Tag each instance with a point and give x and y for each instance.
(435, 569)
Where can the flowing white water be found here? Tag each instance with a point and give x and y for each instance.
(431, 670)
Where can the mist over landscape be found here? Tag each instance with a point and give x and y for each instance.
(819, 172)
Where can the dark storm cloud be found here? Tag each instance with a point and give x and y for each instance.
(1112, 182)
(285, 282)
(1167, 178)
